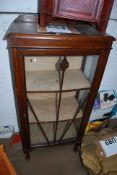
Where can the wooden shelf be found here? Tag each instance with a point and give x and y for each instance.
(44, 105)
(48, 80)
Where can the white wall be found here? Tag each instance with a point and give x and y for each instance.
(18, 6)
(109, 80)
(7, 106)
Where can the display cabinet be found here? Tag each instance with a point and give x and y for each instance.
(56, 79)
(96, 12)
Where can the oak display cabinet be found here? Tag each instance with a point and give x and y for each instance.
(56, 79)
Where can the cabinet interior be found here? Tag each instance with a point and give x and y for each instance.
(36, 135)
(43, 80)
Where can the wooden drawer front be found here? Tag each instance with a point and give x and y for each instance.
(88, 10)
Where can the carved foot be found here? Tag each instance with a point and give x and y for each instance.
(76, 149)
(27, 156)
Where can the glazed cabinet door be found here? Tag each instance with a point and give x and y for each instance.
(88, 10)
(54, 109)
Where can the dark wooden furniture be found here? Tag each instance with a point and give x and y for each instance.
(26, 46)
(94, 11)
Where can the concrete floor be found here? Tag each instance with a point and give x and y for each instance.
(59, 160)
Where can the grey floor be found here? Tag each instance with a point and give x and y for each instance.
(60, 160)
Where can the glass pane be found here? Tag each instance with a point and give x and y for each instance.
(90, 66)
(43, 74)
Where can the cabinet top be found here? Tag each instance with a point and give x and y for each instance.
(28, 24)
(23, 32)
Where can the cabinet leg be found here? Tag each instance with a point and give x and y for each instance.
(27, 155)
(76, 148)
